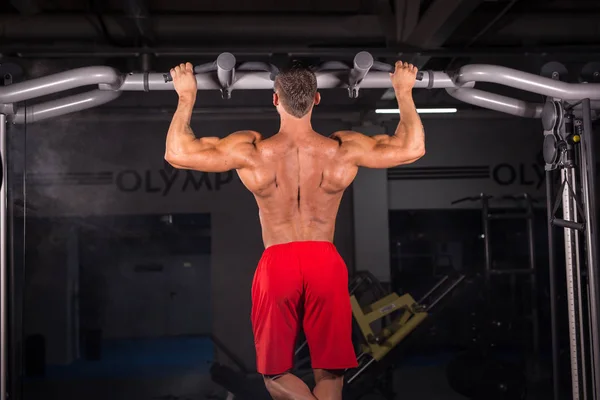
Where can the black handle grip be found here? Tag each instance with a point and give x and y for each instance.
(562, 223)
(198, 69)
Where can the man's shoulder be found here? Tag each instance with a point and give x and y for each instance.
(348, 140)
(248, 136)
(345, 136)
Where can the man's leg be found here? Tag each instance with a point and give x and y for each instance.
(288, 387)
(327, 318)
(276, 314)
(329, 384)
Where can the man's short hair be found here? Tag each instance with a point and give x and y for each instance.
(296, 87)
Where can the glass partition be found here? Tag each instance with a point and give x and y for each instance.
(112, 297)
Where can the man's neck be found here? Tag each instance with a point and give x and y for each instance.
(295, 126)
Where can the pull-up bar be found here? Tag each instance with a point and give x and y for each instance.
(225, 75)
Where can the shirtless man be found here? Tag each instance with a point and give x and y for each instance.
(298, 177)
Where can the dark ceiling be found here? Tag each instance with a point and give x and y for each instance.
(434, 34)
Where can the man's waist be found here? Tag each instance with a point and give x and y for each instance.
(299, 244)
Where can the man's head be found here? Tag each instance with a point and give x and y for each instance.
(296, 91)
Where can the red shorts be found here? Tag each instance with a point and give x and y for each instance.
(302, 285)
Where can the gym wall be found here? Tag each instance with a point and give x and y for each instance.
(78, 168)
(465, 157)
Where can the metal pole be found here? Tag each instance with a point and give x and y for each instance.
(588, 161)
(3, 296)
(572, 261)
(487, 247)
(533, 283)
(552, 281)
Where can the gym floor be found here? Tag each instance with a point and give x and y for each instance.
(411, 383)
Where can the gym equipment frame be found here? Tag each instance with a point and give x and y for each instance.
(568, 109)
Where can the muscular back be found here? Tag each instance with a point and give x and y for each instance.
(298, 182)
(297, 177)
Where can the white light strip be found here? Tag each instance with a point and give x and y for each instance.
(419, 110)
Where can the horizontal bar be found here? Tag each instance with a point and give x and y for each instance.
(528, 82)
(110, 80)
(59, 82)
(262, 80)
(497, 102)
(65, 105)
(509, 216)
(522, 271)
(561, 223)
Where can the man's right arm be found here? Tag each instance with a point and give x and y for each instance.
(208, 154)
(405, 146)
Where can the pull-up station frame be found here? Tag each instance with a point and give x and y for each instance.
(566, 104)
(223, 75)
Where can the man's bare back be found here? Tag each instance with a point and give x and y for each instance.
(298, 182)
(298, 178)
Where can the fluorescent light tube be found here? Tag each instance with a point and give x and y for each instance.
(419, 110)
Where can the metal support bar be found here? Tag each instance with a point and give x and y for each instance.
(60, 82)
(55, 108)
(533, 282)
(528, 82)
(407, 18)
(433, 289)
(257, 80)
(588, 164)
(3, 260)
(572, 261)
(94, 51)
(487, 248)
(517, 271)
(111, 80)
(509, 216)
(446, 292)
(497, 102)
(552, 283)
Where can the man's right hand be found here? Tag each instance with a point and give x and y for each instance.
(404, 77)
(184, 81)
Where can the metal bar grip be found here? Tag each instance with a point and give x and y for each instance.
(379, 66)
(224, 66)
(562, 223)
(363, 62)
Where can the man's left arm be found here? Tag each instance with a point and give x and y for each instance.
(405, 146)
